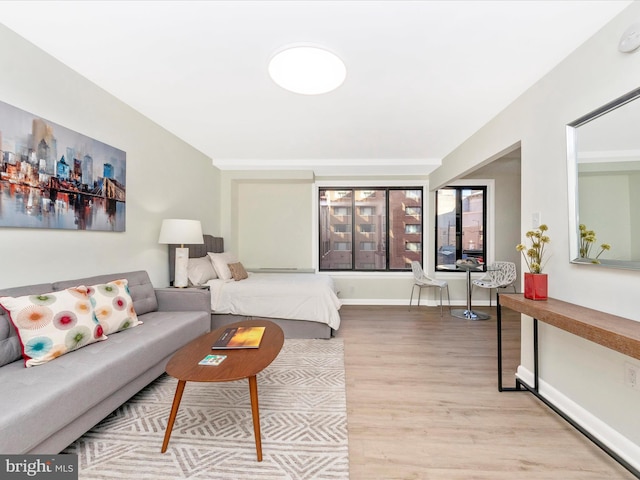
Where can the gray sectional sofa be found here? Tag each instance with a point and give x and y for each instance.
(46, 407)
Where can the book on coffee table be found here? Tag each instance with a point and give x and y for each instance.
(212, 360)
(239, 337)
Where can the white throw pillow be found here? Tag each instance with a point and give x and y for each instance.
(200, 270)
(221, 263)
(52, 324)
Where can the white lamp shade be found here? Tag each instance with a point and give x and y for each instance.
(179, 231)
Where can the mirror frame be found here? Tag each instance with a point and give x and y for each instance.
(572, 174)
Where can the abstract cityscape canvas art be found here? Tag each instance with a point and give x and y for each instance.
(53, 177)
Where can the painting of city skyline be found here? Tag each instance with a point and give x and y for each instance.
(53, 177)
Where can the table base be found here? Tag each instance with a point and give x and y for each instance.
(469, 314)
(255, 413)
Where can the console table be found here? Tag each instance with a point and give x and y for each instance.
(617, 333)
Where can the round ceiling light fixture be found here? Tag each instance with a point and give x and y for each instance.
(307, 70)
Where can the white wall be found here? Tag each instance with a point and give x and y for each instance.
(166, 178)
(605, 202)
(273, 218)
(265, 217)
(588, 377)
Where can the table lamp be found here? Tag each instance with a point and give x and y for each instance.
(179, 231)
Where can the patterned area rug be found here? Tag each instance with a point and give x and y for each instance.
(302, 416)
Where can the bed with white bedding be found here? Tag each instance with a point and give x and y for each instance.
(294, 296)
(305, 305)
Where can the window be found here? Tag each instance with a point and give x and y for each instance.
(341, 211)
(367, 211)
(342, 245)
(460, 225)
(413, 246)
(387, 235)
(414, 194)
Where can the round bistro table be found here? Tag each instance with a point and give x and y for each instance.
(240, 364)
(467, 313)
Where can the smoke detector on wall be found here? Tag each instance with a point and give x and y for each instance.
(630, 39)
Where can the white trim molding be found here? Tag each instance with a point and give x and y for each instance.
(617, 442)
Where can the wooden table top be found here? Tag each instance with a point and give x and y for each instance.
(239, 364)
(617, 333)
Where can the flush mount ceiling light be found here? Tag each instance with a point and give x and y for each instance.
(307, 70)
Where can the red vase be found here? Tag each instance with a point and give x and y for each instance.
(535, 286)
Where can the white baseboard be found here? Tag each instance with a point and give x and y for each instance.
(396, 301)
(617, 442)
(375, 301)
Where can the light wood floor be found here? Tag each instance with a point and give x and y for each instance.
(423, 403)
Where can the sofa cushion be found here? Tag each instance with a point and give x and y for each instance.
(10, 350)
(140, 288)
(113, 306)
(52, 324)
(36, 401)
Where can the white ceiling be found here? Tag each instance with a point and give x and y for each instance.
(422, 75)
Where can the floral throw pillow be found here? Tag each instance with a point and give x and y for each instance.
(113, 306)
(52, 324)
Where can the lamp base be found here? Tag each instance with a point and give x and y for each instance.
(181, 278)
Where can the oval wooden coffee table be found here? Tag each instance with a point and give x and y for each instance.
(239, 364)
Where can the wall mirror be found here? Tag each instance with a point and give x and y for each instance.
(603, 161)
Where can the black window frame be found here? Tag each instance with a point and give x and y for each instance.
(459, 251)
(323, 244)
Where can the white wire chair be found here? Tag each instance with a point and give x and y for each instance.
(499, 275)
(421, 281)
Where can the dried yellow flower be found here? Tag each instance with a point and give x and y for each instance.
(533, 255)
(587, 240)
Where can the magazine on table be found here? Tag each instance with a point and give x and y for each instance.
(212, 360)
(239, 337)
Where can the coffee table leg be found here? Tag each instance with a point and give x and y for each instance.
(174, 412)
(253, 390)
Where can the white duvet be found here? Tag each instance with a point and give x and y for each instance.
(295, 296)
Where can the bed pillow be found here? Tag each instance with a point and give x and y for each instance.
(221, 263)
(113, 306)
(237, 271)
(52, 324)
(200, 271)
